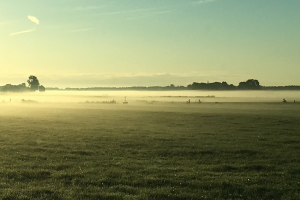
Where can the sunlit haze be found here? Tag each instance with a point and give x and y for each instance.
(84, 43)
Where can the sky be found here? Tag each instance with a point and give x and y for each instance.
(86, 43)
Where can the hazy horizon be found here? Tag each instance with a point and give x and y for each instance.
(160, 97)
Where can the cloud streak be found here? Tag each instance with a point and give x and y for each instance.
(150, 10)
(88, 8)
(150, 14)
(202, 1)
(21, 32)
(81, 30)
(34, 19)
(31, 18)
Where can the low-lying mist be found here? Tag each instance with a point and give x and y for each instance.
(151, 96)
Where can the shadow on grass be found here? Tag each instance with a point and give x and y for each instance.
(184, 153)
(71, 179)
(291, 142)
(106, 196)
(60, 167)
(27, 176)
(33, 194)
(247, 168)
(82, 153)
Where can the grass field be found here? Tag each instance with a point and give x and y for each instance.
(159, 151)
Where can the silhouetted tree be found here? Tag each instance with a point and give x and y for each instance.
(10, 88)
(14, 88)
(33, 83)
(211, 86)
(42, 88)
(250, 84)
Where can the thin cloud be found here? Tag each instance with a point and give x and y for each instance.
(150, 14)
(151, 11)
(34, 19)
(21, 32)
(129, 11)
(202, 1)
(139, 17)
(81, 30)
(87, 8)
(31, 18)
(163, 12)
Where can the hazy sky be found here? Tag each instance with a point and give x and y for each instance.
(68, 43)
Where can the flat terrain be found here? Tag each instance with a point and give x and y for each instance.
(150, 151)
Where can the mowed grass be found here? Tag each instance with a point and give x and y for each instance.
(163, 151)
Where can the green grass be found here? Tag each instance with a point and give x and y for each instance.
(163, 151)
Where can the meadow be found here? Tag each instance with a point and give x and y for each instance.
(149, 151)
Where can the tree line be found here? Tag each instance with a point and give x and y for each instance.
(250, 84)
(33, 85)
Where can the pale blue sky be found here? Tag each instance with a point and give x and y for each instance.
(144, 42)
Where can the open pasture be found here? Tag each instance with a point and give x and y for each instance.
(150, 151)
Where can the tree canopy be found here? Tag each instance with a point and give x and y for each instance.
(33, 83)
(250, 84)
